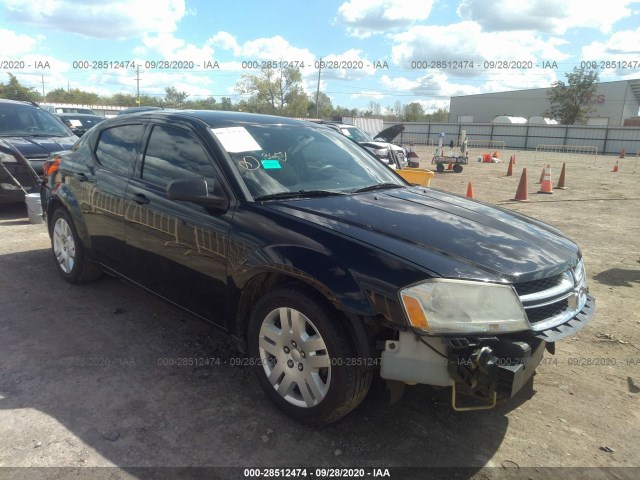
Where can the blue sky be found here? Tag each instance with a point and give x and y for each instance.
(520, 35)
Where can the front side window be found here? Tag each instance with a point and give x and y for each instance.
(172, 154)
(117, 147)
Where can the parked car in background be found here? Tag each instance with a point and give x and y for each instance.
(379, 145)
(323, 263)
(28, 135)
(79, 123)
(60, 109)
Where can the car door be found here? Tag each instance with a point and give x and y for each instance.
(177, 248)
(99, 183)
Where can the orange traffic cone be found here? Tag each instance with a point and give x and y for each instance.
(510, 169)
(615, 168)
(470, 191)
(521, 193)
(546, 186)
(561, 180)
(514, 159)
(541, 176)
(450, 166)
(622, 153)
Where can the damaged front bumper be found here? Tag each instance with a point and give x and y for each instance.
(480, 370)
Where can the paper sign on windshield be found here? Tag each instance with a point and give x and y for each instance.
(75, 123)
(236, 139)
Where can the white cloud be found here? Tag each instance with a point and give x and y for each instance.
(172, 48)
(548, 16)
(13, 44)
(368, 94)
(465, 41)
(622, 47)
(102, 19)
(225, 41)
(433, 84)
(365, 18)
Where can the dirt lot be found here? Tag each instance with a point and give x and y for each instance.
(84, 380)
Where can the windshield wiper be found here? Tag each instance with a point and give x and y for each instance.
(298, 194)
(378, 186)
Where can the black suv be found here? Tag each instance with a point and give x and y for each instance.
(28, 135)
(324, 264)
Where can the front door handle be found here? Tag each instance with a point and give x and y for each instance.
(140, 198)
(81, 177)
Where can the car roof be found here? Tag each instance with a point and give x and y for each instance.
(79, 115)
(219, 118)
(19, 102)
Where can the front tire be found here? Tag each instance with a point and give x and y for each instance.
(68, 251)
(304, 358)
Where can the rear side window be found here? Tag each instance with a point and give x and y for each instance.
(117, 147)
(173, 153)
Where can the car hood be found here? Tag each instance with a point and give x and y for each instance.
(40, 147)
(379, 145)
(445, 234)
(388, 134)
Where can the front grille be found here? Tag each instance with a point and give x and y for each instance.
(552, 301)
(538, 314)
(526, 288)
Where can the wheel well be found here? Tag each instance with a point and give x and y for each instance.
(53, 205)
(264, 282)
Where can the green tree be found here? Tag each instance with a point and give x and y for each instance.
(440, 115)
(413, 112)
(572, 102)
(174, 98)
(270, 89)
(14, 90)
(325, 107)
(225, 104)
(296, 103)
(75, 95)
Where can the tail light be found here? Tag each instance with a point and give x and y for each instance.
(51, 166)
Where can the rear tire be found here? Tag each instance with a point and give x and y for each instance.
(440, 167)
(303, 357)
(457, 168)
(68, 251)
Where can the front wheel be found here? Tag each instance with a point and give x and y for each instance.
(457, 168)
(68, 250)
(304, 359)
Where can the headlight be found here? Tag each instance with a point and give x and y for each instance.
(381, 152)
(442, 306)
(579, 274)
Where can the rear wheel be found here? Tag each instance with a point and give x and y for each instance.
(457, 168)
(304, 359)
(440, 167)
(68, 250)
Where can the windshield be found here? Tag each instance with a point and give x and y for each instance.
(282, 159)
(354, 133)
(25, 121)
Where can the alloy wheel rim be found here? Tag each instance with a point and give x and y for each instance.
(64, 246)
(294, 357)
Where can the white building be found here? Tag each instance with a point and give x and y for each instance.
(613, 103)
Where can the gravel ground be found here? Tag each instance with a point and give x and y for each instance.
(84, 380)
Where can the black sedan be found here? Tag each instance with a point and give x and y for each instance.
(79, 123)
(325, 265)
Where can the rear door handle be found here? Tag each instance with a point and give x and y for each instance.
(140, 198)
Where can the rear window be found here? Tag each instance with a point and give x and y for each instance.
(117, 147)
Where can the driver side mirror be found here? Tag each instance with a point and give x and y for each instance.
(196, 190)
